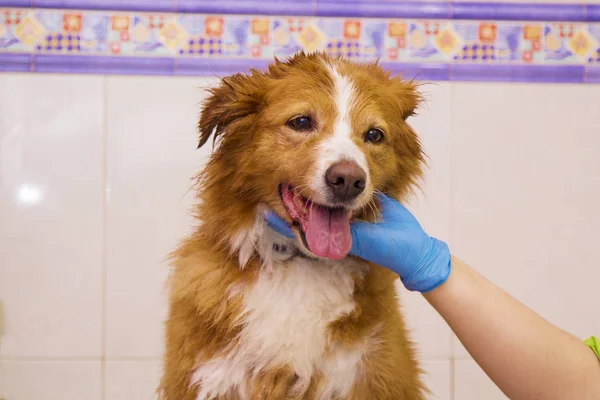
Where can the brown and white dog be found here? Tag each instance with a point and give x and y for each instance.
(254, 315)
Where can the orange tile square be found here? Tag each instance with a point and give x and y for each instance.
(120, 22)
(72, 22)
(397, 29)
(214, 26)
(260, 26)
(352, 29)
(531, 32)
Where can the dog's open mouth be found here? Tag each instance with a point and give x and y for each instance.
(325, 230)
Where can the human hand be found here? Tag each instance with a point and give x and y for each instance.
(397, 243)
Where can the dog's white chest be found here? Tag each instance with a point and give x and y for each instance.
(286, 316)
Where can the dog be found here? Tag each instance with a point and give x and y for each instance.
(256, 315)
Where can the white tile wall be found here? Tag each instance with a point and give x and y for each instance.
(151, 158)
(471, 383)
(52, 380)
(51, 213)
(132, 380)
(438, 379)
(526, 193)
(431, 206)
(94, 179)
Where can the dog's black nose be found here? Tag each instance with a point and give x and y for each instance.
(346, 180)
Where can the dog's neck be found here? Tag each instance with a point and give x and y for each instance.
(282, 248)
(260, 240)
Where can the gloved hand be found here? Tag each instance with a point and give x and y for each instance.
(397, 243)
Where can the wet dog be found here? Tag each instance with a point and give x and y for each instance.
(255, 315)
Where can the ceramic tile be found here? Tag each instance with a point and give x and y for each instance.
(111, 33)
(19, 31)
(471, 383)
(521, 42)
(51, 205)
(535, 1)
(20, 380)
(569, 43)
(479, 41)
(432, 125)
(286, 35)
(437, 379)
(71, 32)
(526, 193)
(354, 38)
(396, 40)
(132, 380)
(433, 40)
(152, 157)
(161, 43)
(427, 329)
(431, 207)
(594, 30)
(237, 30)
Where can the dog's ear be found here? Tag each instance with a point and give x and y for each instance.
(236, 97)
(407, 95)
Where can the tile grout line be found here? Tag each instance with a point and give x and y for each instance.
(105, 194)
(452, 378)
(452, 233)
(77, 359)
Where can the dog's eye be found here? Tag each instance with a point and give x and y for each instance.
(374, 135)
(301, 123)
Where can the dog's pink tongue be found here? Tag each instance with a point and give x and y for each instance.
(328, 232)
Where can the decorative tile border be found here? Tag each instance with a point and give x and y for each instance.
(142, 42)
(500, 11)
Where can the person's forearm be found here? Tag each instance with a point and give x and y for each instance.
(526, 356)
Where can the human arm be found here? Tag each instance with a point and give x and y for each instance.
(526, 356)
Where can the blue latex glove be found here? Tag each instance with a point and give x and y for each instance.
(398, 243)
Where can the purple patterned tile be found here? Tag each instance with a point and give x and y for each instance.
(260, 36)
(248, 7)
(103, 64)
(594, 30)
(568, 43)
(396, 41)
(479, 42)
(351, 38)
(509, 42)
(518, 11)
(236, 33)
(153, 34)
(112, 5)
(156, 42)
(372, 35)
(289, 36)
(383, 9)
(520, 42)
(19, 31)
(16, 3)
(433, 40)
(94, 33)
(593, 12)
(592, 74)
(518, 73)
(216, 66)
(420, 71)
(339, 8)
(10, 62)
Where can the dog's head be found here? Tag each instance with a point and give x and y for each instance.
(313, 139)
